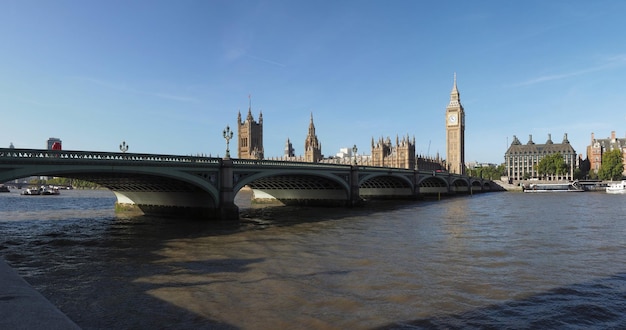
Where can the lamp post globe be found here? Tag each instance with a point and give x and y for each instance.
(228, 135)
(123, 147)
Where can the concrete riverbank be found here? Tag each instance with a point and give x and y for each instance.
(22, 307)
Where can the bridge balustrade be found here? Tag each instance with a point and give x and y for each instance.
(58, 155)
(237, 161)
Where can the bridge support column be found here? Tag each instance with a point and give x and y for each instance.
(355, 196)
(416, 184)
(226, 209)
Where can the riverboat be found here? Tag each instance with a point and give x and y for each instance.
(50, 190)
(616, 187)
(43, 190)
(554, 187)
(31, 192)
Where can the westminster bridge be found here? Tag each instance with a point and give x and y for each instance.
(206, 186)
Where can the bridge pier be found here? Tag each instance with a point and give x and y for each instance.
(416, 184)
(355, 197)
(226, 208)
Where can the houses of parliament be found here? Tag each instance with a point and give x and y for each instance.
(384, 152)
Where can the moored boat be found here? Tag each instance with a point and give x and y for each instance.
(31, 192)
(43, 190)
(618, 187)
(4, 188)
(573, 186)
(49, 190)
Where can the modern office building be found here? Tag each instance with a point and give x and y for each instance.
(521, 159)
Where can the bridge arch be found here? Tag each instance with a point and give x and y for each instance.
(433, 185)
(380, 185)
(297, 186)
(477, 185)
(460, 185)
(149, 188)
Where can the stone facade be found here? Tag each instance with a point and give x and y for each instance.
(289, 151)
(455, 132)
(430, 164)
(599, 146)
(521, 159)
(312, 146)
(250, 137)
(402, 155)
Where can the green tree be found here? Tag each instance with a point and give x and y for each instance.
(553, 164)
(612, 165)
(490, 172)
(59, 181)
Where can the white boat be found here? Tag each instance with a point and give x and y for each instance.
(554, 187)
(43, 190)
(31, 192)
(49, 190)
(618, 187)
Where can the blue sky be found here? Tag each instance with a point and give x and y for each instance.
(168, 76)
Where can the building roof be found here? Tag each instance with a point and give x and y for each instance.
(517, 148)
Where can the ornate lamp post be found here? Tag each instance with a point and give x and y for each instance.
(227, 136)
(354, 150)
(123, 147)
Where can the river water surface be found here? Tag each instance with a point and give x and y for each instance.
(495, 260)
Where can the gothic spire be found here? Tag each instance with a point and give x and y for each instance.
(454, 89)
(249, 117)
(311, 126)
(455, 96)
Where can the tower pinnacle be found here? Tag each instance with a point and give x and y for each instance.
(455, 96)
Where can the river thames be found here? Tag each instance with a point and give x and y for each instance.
(495, 260)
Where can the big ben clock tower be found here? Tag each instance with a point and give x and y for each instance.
(455, 133)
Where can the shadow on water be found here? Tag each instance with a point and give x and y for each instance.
(90, 272)
(279, 216)
(109, 272)
(598, 304)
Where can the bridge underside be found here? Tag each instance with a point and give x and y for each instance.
(155, 194)
(459, 186)
(298, 190)
(433, 185)
(385, 187)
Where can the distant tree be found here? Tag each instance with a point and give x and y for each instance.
(612, 165)
(579, 174)
(551, 165)
(58, 181)
(490, 172)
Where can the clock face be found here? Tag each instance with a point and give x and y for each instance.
(452, 119)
